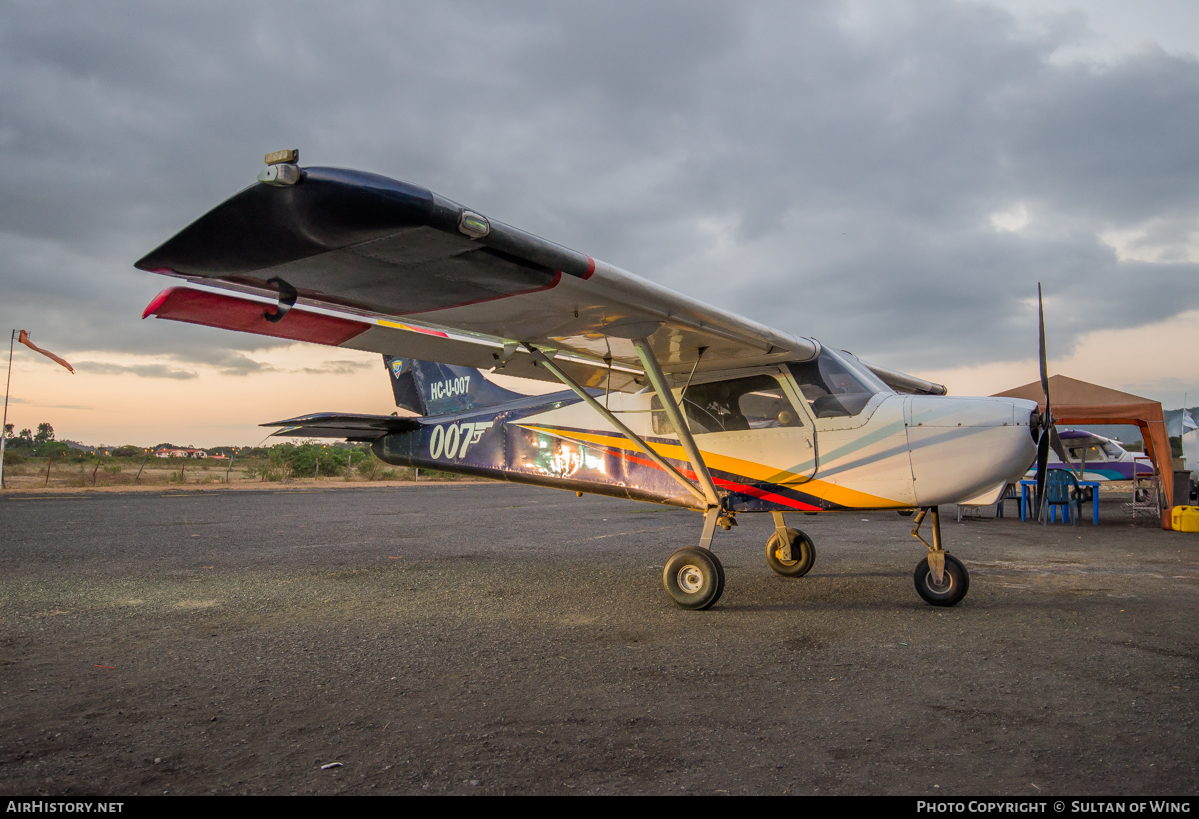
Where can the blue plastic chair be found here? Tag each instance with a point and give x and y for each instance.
(1061, 490)
(1010, 493)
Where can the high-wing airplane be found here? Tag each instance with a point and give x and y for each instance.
(668, 399)
(1096, 458)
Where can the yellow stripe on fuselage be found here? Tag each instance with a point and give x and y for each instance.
(840, 495)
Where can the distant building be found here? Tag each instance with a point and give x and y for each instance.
(180, 452)
(79, 447)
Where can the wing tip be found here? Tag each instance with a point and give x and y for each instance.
(157, 302)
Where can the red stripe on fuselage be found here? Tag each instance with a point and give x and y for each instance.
(232, 313)
(737, 487)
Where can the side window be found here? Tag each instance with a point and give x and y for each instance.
(756, 402)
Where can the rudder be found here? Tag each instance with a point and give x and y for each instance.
(429, 388)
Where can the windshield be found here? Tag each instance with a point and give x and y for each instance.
(832, 386)
(863, 373)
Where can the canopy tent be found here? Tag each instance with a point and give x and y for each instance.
(1079, 402)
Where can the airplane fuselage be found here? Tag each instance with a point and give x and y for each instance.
(897, 452)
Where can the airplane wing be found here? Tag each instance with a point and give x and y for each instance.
(380, 265)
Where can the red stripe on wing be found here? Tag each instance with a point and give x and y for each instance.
(232, 313)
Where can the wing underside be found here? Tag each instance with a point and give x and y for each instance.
(380, 265)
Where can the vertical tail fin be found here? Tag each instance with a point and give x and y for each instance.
(428, 388)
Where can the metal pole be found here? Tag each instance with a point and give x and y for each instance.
(4, 428)
(656, 377)
(614, 421)
(143, 466)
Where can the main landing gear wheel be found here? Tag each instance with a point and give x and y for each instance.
(694, 578)
(948, 593)
(803, 554)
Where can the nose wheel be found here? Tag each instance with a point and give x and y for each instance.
(941, 579)
(955, 582)
(694, 578)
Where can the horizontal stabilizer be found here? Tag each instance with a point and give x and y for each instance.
(343, 425)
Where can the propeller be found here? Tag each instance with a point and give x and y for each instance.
(1049, 436)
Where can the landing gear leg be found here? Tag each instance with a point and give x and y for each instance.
(694, 576)
(940, 578)
(789, 552)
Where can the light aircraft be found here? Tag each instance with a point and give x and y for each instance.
(668, 399)
(1096, 458)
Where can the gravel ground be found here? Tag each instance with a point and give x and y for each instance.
(486, 638)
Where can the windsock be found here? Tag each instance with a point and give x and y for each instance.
(24, 339)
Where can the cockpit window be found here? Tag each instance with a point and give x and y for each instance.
(1092, 453)
(756, 402)
(833, 386)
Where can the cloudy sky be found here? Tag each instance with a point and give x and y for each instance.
(893, 178)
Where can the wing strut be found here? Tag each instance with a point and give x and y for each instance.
(614, 421)
(658, 380)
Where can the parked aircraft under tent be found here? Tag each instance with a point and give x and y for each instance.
(1080, 402)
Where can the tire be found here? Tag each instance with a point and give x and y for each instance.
(800, 564)
(694, 578)
(906, 513)
(720, 569)
(957, 582)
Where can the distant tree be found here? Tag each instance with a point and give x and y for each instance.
(8, 430)
(44, 433)
(128, 451)
(23, 439)
(58, 450)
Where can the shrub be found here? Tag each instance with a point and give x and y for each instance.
(302, 460)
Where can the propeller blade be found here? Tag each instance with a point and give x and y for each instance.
(1042, 462)
(1044, 363)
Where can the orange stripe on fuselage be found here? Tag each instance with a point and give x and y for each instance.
(839, 495)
